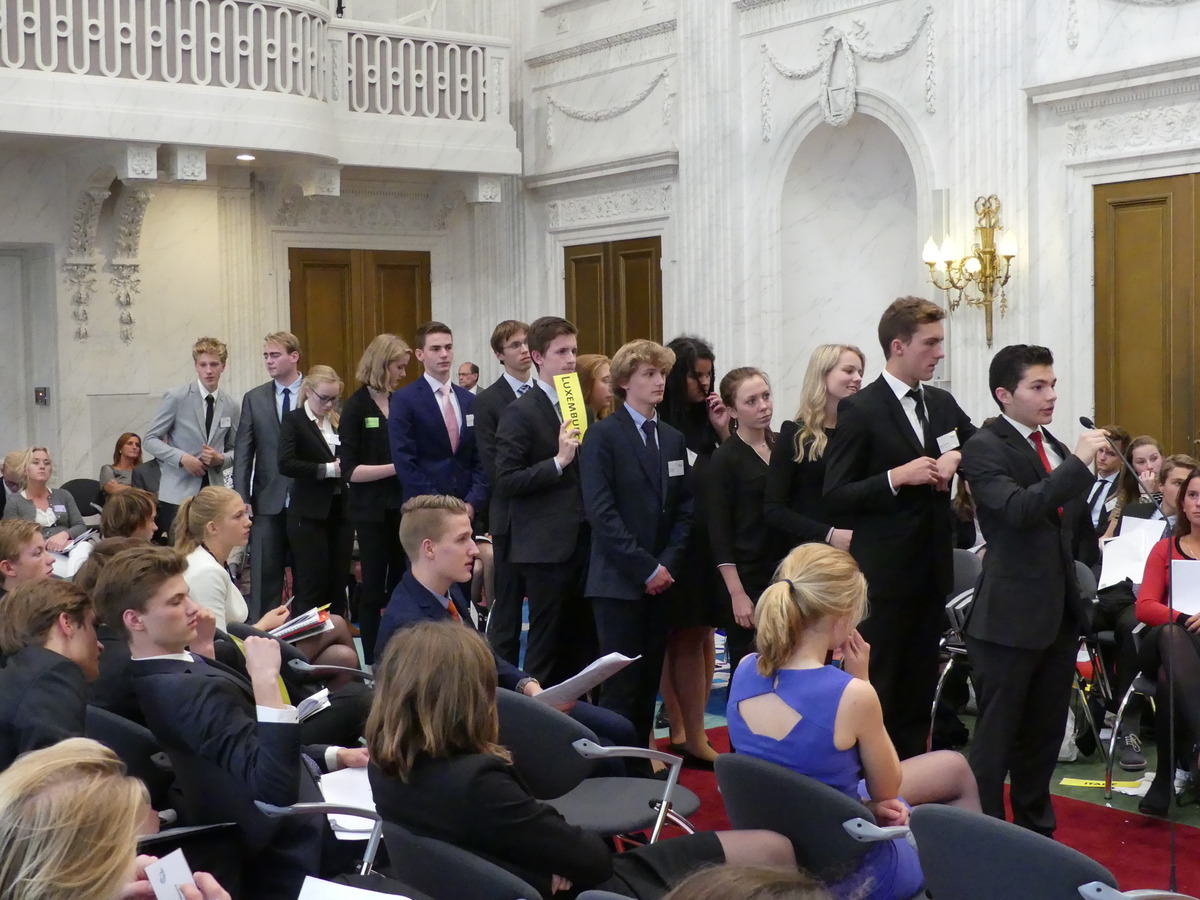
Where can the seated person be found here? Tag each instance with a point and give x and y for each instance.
(436, 534)
(787, 705)
(54, 510)
(23, 556)
(48, 631)
(436, 768)
(127, 456)
(131, 513)
(208, 528)
(1174, 639)
(232, 741)
(95, 811)
(10, 475)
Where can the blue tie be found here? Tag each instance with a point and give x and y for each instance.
(287, 402)
(652, 458)
(522, 389)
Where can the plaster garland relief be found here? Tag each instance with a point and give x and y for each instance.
(125, 266)
(80, 264)
(611, 112)
(1160, 128)
(386, 211)
(636, 203)
(853, 45)
(1073, 15)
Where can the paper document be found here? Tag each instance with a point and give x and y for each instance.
(168, 875)
(1134, 525)
(1125, 556)
(1185, 586)
(318, 889)
(67, 563)
(578, 685)
(349, 787)
(310, 706)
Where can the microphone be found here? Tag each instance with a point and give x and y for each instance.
(1091, 426)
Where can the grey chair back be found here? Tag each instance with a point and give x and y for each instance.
(540, 738)
(969, 856)
(1087, 581)
(446, 872)
(967, 566)
(809, 813)
(144, 759)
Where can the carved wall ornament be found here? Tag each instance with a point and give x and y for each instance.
(1073, 15)
(636, 203)
(383, 211)
(1160, 128)
(125, 267)
(838, 103)
(80, 264)
(611, 112)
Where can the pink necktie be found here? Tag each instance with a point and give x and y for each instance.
(450, 417)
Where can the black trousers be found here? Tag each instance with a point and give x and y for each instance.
(1121, 620)
(504, 612)
(904, 633)
(383, 562)
(562, 633)
(268, 559)
(321, 565)
(633, 627)
(1023, 697)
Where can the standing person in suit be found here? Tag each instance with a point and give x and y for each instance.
(537, 473)
(511, 346)
(431, 426)
(373, 502)
(10, 476)
(193, 432)
(1023, 628)
(48, 631)
(468, 377)
(640, 515)
(888, 471)
(318, 529)
(256, 473)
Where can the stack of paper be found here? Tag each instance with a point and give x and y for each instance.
(305, 625)
(349, 787)
(1125, 555)
(310, 706)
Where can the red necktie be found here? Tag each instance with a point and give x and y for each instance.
(1036, 437)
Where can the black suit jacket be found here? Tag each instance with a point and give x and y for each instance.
(203, 715)
(640, 519)
(490, 403)
(545, 509)
(43, 700)
(302, 453)
(1028, 582)
(363, 431)
(902, 541)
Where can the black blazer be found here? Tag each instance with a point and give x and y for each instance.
(302, 453)
(545, 510)
(640, 519)
(43, 700)
(490, 403)
(905, 540)
(363, 430)
(794, 503)
(738, 529)
(1028, 578)
(479, 802)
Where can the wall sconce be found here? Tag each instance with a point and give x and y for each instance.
(986, 267)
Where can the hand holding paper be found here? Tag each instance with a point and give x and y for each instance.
(578, 685)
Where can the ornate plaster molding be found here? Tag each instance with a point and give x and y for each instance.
(358, 210)
(854, 44)
(611, 112)
(635, 203)
(605, 43)
(1073, 14)
(1143, 131)
(82, 259)
(125, 266)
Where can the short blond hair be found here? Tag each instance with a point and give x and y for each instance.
(286, 341)
(15, 534)
(625, 362)
(12, 461)
(25, 459)
(427, 516)
(28, 613)
(69, 818)
(380, 353)
(212, 346)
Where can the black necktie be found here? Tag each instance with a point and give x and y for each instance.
(1101, 484)
(648, 428)
(919, 398)
(208, 416)
(287, 402)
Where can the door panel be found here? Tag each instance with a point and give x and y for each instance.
(614, 292)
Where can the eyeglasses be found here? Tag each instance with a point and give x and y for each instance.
(328, 401)
(516, 345)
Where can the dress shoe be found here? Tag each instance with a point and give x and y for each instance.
(1157, 800)
(1129, 753)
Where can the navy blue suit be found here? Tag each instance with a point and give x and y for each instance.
(421, 447)
(412, 602)
(640, 520)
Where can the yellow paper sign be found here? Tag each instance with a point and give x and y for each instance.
(570, 401)
(1096, 783)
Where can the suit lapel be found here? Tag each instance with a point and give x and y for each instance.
(197, 403)
(433, 409)
(899, 416)
(1022, 447)
(317, 433)
(546, 408)
(638, 445)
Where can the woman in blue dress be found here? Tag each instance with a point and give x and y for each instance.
(789, 705)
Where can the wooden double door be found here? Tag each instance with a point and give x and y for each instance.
(614, 292)
(1147, 323)
(342, 299)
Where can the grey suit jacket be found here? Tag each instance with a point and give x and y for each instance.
(256, 460)
(178, 428)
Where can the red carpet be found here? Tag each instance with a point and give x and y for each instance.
(1135, 848)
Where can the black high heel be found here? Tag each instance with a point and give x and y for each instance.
(1157, 800)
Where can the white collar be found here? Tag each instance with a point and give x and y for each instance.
(437, 385)
(1024, 430)
(205, 392)
(899, 388)
(516, 384)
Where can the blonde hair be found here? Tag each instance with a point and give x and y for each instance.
(212, 346)
(69, 819)
(813, 581)
(26, 459)
(208, 505)
(588, 368)
(380, 353)
(435, 695)
(427, 516)
(322, 375)
(15, 534)
(625, 362)
(813, 397)
(284, 340)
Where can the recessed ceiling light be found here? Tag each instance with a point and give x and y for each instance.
(246, 157)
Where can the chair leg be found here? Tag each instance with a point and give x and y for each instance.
(937, 696)
(680, 822)
(1087, 715)
(1112, 744)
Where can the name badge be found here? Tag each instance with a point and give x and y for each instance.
(1111, 503)
(674, 468)
(371, 422)
(948, 442)
(225, 422)
(60, 509)
(470, 420)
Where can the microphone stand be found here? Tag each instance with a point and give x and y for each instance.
(1166, 661)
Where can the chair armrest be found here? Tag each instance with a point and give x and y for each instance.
(172, 834)
(1098, 890)
(868, 832)
(591, 750)
(300, 667)
(333, 809)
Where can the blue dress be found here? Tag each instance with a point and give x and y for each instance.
(890, 869)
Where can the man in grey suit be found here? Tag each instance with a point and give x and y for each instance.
(256, 468)
(192, 432)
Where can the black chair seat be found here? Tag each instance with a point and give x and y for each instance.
(620, 805)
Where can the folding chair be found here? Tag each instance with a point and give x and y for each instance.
(446, 872)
